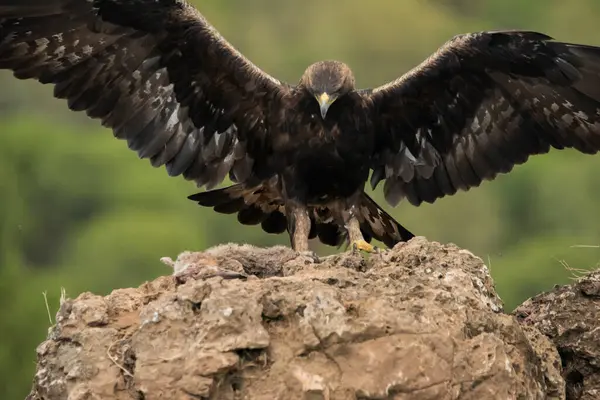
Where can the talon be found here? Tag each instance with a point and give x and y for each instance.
(364, 246)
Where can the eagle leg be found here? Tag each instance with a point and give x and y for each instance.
(355, 236)
(298, 226)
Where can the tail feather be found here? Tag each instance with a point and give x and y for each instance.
(375, 223)
(260, 205)
(275, 223)
(331, 234)
(230, 207)
(379, 225)
(253, 205)
(213, 198)
(251, 215)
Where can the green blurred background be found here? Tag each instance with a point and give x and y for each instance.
(80, 211)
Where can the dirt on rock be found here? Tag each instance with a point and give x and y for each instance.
(421, 321)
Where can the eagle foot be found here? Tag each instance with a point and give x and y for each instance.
(362, 245)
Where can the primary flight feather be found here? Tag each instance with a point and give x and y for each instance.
(163, 79)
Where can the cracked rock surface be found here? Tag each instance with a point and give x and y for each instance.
(420, 321)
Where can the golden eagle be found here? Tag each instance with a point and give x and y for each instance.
(164, 80)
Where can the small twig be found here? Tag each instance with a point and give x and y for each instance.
(45, 294)
(586, 246)
(115, 361)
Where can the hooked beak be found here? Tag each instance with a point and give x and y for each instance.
(325, 101)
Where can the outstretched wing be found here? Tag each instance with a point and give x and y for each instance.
(481, 104)
(156, 72)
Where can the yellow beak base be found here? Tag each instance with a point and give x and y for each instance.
(325, 101)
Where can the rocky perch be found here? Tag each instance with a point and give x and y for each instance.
(420, 321)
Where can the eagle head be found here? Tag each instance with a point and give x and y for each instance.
(327, 81)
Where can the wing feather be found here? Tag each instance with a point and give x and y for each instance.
(155, 72)
(483, 103)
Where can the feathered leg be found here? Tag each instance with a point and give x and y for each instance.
(350, 215)
(355, 236)
(298, 225)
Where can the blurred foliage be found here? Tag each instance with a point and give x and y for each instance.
(80, 211)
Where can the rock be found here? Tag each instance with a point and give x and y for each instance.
(570, 317)
(420, 321)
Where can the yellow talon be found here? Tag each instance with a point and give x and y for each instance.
(364, 246)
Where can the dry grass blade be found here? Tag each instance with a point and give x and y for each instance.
(45, 294)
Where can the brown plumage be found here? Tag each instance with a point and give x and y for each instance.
(159, 75)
